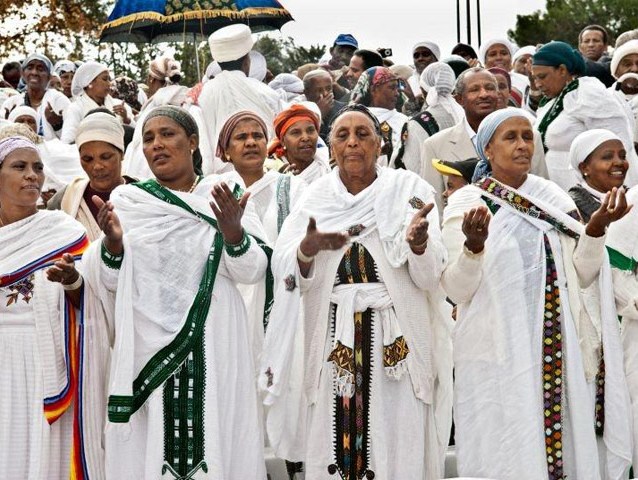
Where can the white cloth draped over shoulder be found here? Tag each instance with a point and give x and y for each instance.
(498, 337)
(623, 252)
(58, 102)
(589, 106)
(295, 375)
(167, 250)
(38, 340)
(82, 105)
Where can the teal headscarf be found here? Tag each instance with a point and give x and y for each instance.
(555, 54)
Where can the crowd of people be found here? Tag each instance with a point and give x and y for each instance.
(357, 266)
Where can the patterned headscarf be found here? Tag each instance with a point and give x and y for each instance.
(125, 88)
(229, 127)
(287, 119)
(9, 145)
(184, 120)
(373, 76)
(165, 68)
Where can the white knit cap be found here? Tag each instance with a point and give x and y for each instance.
(584, 144)
(230, 43)
(21, 111)
(431, 46)
(101, 127)
(85, 75)
(625, 49)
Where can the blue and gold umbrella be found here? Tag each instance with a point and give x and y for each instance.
(153, 21)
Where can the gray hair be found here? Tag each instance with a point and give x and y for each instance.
(312, 75)
(459, 86)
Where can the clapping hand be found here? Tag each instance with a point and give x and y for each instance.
(109, 223)
(613, 207)
(63, 271)
(475, 228)
(417, 234)
(229, 211)
(315, 241)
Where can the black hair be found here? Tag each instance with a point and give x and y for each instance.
(370, 58)
(9, 66)
(99, 110)
(233, 64)
(357, 107)
(597, 28)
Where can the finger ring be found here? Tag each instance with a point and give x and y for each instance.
(479, 229)
(610, 210)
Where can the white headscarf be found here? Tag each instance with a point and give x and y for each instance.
(496, 41)
(438, 81)
(9, 145)
(625, 49)
(212, 70)
(258, 66)
(100, 126)
(526, 50)
(64, 66)
(431, 46)
(85, 75)
(584, 144)
(21, 111)
(164, 68)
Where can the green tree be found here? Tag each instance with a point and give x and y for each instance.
(283, 55)
(564, 19)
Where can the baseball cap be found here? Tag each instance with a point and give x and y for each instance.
(463, 169)
(347, 40)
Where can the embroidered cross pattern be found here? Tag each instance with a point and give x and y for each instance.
(23, 288)
(355, 230)
(417, 203)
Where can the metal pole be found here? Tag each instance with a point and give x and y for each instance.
(469, 23)
(458, 21)
(478, 20)
(199, 73)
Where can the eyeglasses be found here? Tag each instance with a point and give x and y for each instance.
(416, 55)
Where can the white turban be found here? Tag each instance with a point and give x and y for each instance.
(230, 43)
(625, 49)
(64, 66)
(287, 82)
(258, 66)
(100, 127)
(438, 80)
(431, 46)
(85, 75)
(21, 111)
(10, 144)
(526, 50)
(212, 69)
(584, 144)
(495, 41)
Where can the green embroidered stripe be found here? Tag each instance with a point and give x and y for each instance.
(555, 111)
(239, 249)
(111, 260)
(621, 262)
(120, 408)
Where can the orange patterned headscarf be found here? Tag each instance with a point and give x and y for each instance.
(287, 119)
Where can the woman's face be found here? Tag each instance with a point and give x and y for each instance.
(606, 167)
(301, 142)
(99, 87)
(247, 147)
(503, 91)
(66, 79)
(498, 55)
(29, 121)
(102, 163)
(21, 178)
(550, 80)
(355, 146)
(510, 150)
(168, 149)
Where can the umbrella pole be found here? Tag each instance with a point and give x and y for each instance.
(199, 73)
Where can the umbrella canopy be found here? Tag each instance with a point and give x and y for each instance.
(154, 21)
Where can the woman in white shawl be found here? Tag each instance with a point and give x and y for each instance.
(526, 352)
(440, 111)
(374, 400)
(182, 398)
(294, 149)
(91, 89)
(42, 332)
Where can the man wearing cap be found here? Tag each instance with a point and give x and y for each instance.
(232, 89)
(476, 91)
(342, 50)
(457, 174)
(423, 53)
(624, 68)
(47, 102)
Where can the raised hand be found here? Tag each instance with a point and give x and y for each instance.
(63, 271)
(120, 109)
(315, 241)
(110, 224)
(613, 207)
(228, 211)
(417, 234)
(475, 228)
(53, 118)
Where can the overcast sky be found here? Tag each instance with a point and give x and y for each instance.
(399, 24)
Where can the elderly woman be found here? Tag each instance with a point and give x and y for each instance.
(524, 347)
(572, 105)
(38, 347)
(48, 102)
(91, 89)
(65, 69)
(361, 253)
(162, 72)
(294, 149)
(172, 255)
(100, 140)
(439, 111)
(378, 89)
(599, 160)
